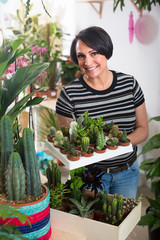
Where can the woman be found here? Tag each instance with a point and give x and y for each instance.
(115, 96)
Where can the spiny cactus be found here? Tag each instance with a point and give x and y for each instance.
(58, 139)
(113, 209)
(123, 137)
(85, 144)
(52, 132)
(15, 178)
(114, 131)
(100, 141)
(31, 164)
(53, 174)
(113, 141)
(66, 144)
(6, 146)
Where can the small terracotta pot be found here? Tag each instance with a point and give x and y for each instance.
(112, 147)
(50, 139)
(84, 154)
(64, 152)
(52, 93)
(124, 143)
(56, 146)
(73, 158)
(59, 162)
(100, 151)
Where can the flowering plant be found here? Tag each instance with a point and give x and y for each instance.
(69, 70)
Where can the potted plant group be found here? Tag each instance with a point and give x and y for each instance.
(151, 167)
(70, 70)
(72, 212)
(18, 158)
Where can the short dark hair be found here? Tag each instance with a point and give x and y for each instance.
(95, 38)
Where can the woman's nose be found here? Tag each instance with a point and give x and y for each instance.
(88, 61)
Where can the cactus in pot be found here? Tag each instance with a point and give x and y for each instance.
(100, 141)
(15, 168)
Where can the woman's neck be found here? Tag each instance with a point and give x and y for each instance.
(100, 83)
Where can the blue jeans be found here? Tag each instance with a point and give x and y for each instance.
(123, 183)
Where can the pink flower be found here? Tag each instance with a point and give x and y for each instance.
(38, 51)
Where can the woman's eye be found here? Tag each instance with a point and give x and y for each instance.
(94, 53)
(80, 56)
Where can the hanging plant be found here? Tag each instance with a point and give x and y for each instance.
(145, 5)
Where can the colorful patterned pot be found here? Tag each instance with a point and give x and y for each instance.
(38, 213)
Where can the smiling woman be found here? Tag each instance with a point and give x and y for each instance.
(115, 96)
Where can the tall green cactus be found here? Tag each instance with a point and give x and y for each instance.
(85, 144)
(15, 178)
(53, 174)
(6, 146)
(100, 141)
(31, 164)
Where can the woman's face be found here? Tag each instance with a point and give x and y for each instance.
(90, 61)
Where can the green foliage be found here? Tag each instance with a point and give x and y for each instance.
(66, 144)
(8, 232)
(85, 144)
(58, 194)
(152, 169)
(83, 208)
(146, 5)
(18, 82)
(49, 119)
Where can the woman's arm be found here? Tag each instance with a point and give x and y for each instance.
(62, 121)
(141, 129)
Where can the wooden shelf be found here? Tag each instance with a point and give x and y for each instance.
(93, 2)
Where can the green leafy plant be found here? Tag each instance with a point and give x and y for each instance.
(151, 167)
(83, 208)
(13, 86)
(58, 194)
(9, 231)
(146, 5)
(70, 70)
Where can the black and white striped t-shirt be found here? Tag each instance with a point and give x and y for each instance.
(117, 104)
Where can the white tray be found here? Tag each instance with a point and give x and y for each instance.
(97, 157)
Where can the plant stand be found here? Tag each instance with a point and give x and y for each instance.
(87, 161)
(91, 229)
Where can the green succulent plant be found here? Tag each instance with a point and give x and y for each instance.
(82, 207)
(112, 141)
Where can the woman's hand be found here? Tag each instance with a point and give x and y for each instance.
(141, 129)
(62, 121)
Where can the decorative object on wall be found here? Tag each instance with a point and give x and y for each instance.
(131, 27)
(146, 29)
(93, 2)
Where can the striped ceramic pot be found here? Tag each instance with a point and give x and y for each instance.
(38, 213)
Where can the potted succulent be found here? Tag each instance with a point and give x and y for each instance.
(112, 143)
(20, 166)
(100, 142)
(123, 140)
(12, 153)
(74, 155)
(86, 150)
(151, 167)
(66, 146)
